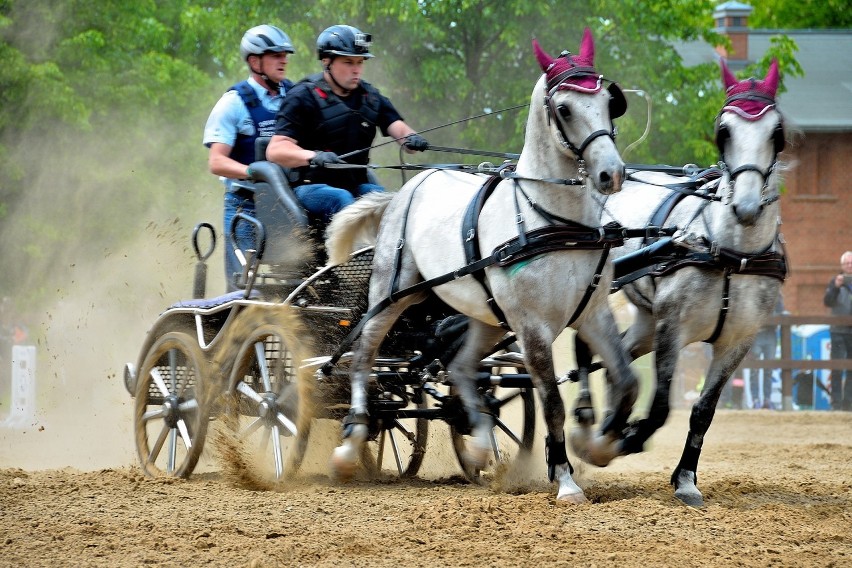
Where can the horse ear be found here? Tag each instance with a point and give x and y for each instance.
(771, 80)
(544, 60)
(587, 47)
(728, 78)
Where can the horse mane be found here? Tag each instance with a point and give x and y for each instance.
(356, 223)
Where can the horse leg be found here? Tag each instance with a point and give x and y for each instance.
(685, 476)
(537, 349)
(638, 339)
(667, 347)
(462, 371)
(601, 334)
(344, 458)
(584, 412)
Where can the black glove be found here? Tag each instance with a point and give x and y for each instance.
(416, 142)
(322, 159)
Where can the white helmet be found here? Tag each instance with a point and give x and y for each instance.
(264, 39)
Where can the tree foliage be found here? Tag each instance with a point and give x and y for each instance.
(102, 104)
(801, 14)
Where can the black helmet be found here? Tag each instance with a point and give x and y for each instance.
(344, 40)
(264, 39)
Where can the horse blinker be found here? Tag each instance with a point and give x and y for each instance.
(617, 101)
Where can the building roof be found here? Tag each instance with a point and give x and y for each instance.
(819, 101)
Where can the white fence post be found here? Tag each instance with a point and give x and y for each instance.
(22, 411)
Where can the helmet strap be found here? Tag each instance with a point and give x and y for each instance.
(327, 69)
(270, 85)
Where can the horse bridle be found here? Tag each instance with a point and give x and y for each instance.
(722, 135)
(617, 107)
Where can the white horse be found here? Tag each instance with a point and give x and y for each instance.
(721, 279)
(535, 285)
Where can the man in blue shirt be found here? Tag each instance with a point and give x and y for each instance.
(335, 113)
(245, 112)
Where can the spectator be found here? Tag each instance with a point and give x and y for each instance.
(335, 113)
(765, 347)
(838, 297)
(245, 112)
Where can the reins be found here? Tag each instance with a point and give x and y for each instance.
(425, 130)
(483, 168)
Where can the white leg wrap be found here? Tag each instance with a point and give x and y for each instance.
(480, 447)
(569, 491)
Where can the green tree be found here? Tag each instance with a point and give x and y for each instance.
(801, 14)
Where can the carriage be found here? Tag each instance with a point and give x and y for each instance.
(259, 359)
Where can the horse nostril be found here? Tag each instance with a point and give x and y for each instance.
(746, 215)
(605, 178)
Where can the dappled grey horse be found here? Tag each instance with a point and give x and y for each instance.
(718, 280)
(543, 255)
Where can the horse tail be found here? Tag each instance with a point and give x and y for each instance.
(356, 223)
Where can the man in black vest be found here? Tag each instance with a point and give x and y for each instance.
(838, 297)
(335, 113)
(245, 112)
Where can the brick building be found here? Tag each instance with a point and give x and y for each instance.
(816, 205)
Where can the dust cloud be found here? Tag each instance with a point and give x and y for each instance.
(98, 244)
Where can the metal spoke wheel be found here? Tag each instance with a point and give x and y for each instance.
(513, 414)
(170, 418)
(398, 447)
(267, 414)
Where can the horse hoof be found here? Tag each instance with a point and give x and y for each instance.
(603, 449)
(476, 457)
(595, 449)
(686, 490)
(579, 440)
(569, 492)
(343, 463)
(344, 458)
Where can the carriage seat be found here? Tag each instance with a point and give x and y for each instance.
(292, 234)
(209, 303)
(293, 244)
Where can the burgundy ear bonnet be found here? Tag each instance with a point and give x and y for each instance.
(577, 73)
(750, 98)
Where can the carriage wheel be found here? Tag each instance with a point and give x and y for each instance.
(398, 448)
(170, 418)
(513, 435)
(267, 415)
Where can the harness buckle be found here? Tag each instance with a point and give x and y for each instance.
(471, 234)
(651, 229)
(743, 262)
(501, 255)
(400, 243)
(595, 281)
(714, 249)
(519, 219)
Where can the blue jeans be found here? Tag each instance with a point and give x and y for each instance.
(323, 201)
(245, 234)
(841, 380)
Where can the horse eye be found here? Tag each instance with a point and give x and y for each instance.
(564, 112)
